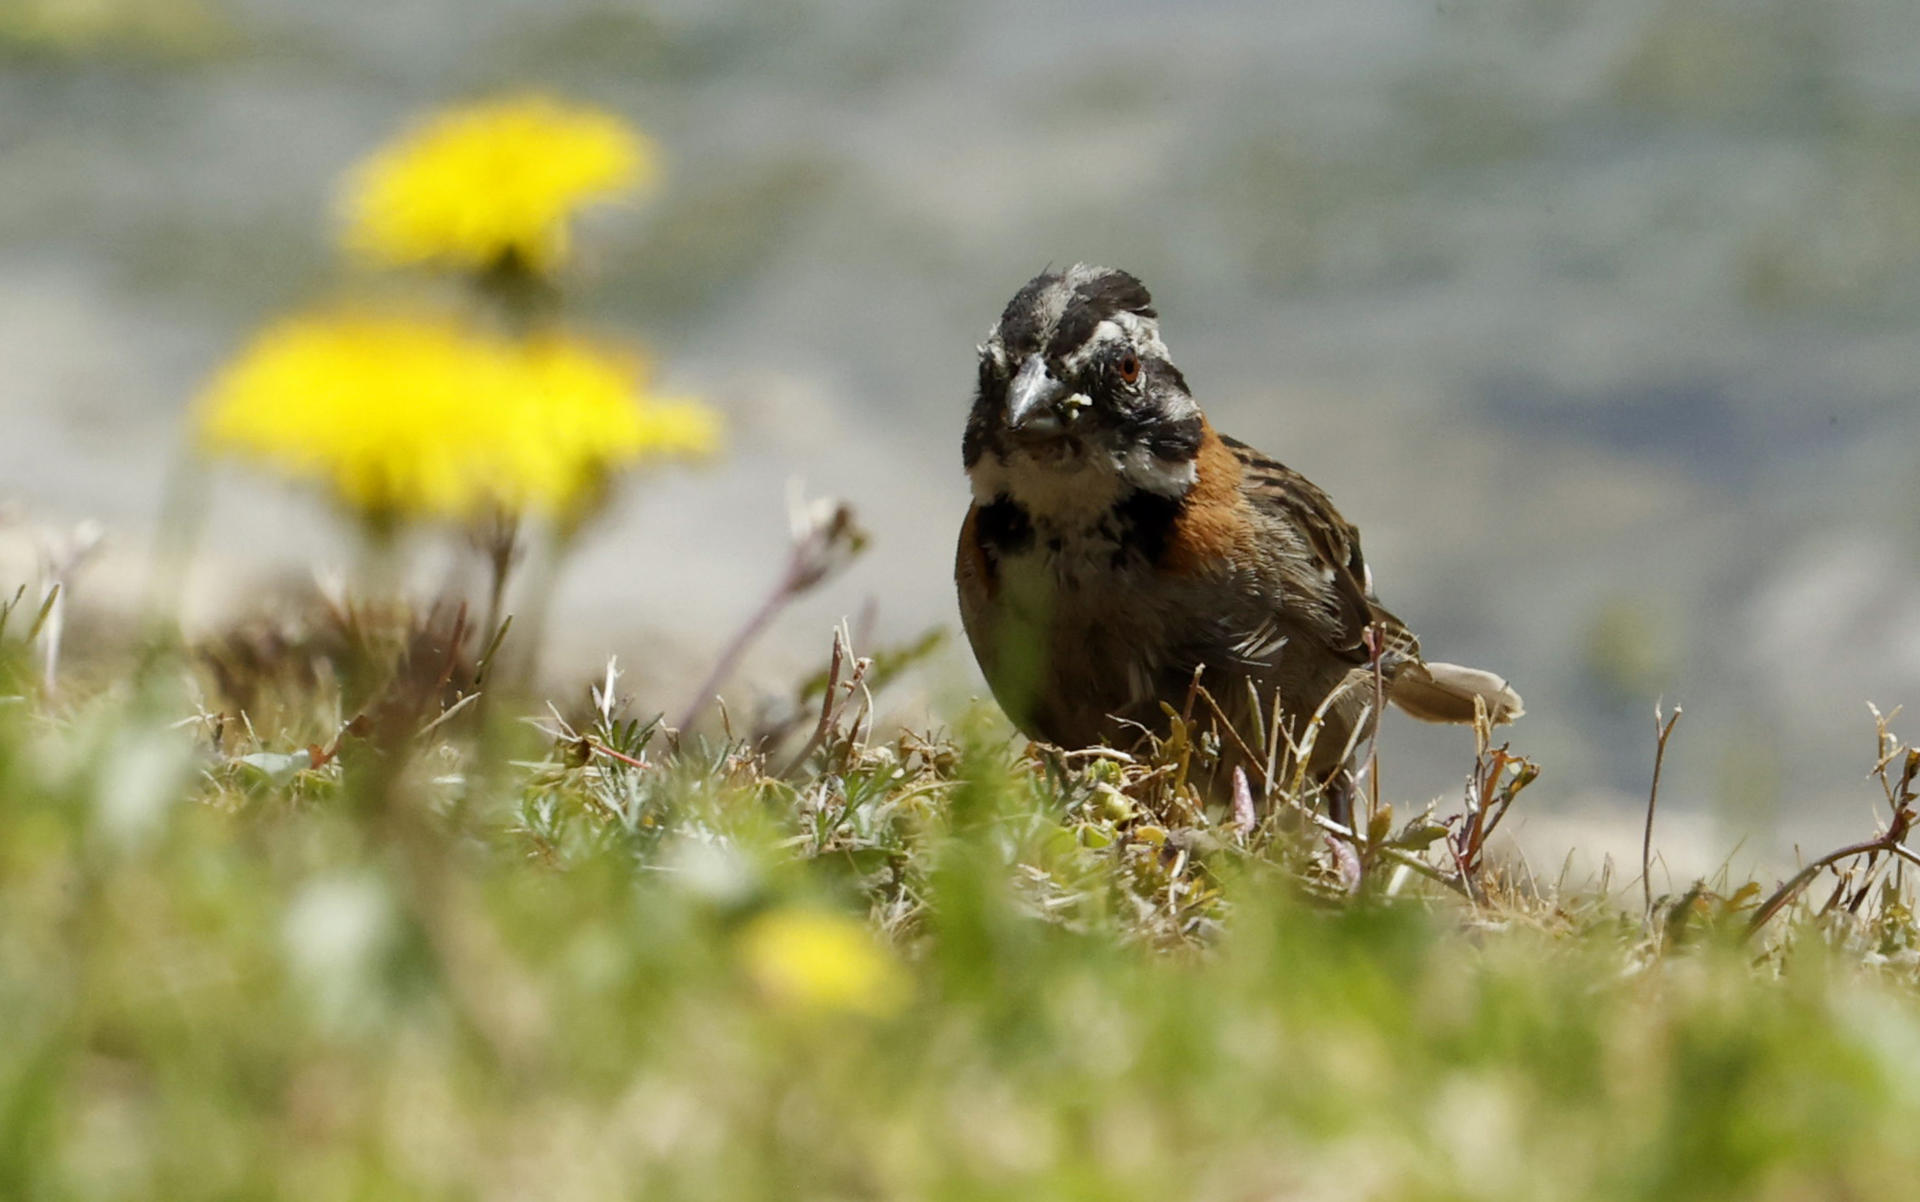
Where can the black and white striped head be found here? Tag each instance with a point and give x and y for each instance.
(1074, 377)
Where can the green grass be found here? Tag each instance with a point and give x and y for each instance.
(492, 961)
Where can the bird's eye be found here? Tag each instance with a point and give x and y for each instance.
(1129, 367)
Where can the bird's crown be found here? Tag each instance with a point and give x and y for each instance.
(1076, 363)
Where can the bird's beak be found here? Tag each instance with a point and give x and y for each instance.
(1032, 398)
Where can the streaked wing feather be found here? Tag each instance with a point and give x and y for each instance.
(1291, 500)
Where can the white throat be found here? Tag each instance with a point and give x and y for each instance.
(1069, 489)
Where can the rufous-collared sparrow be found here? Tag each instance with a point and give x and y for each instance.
(1116, 545)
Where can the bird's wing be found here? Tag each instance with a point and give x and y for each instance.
(1316, 553)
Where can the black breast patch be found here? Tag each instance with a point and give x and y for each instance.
(1003, 528)
(1143, 526)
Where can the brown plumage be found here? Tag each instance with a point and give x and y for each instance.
(1117, 544)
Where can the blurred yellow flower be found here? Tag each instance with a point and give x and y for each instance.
(425, 418)
(815, 961)
(476, 186)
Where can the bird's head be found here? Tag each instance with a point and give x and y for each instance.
(1074, 377)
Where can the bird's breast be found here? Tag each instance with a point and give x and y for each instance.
(1123, 544)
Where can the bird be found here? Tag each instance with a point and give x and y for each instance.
(1117, 547)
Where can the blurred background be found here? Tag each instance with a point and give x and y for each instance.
(1597, 318)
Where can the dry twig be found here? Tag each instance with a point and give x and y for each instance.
(1663, 728)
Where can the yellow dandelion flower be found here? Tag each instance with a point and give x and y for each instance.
(680, 427)
(409, 418)
(498, 181)
(810, 960)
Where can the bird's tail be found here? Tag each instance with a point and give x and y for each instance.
(1445, 693)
